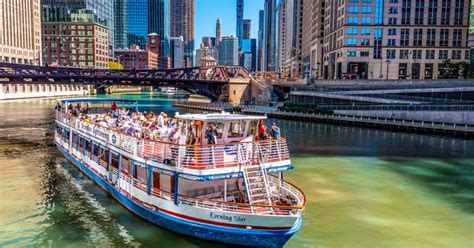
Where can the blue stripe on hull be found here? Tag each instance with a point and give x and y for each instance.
(237, 236)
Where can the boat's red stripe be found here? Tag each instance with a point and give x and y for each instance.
(182, 216)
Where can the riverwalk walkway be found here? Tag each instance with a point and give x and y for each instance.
(354, 120)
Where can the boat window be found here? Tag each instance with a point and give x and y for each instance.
(95, 152)
(88, 146)
(156, 180)
(236, 129)
(58, 130)
(114, 160)
(74, 139)
(80, 142)
(126, 165)
(253, 128)
(140, 173)
(104, 156)
(219, 128)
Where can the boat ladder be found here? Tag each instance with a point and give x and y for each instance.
(255, 176)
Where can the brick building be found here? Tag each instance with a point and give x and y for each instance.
(136, 58)
(80, 42)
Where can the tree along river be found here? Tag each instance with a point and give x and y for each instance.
(365, 188)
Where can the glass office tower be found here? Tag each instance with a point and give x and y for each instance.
(158, 22)
(120, 25)
(137, 23)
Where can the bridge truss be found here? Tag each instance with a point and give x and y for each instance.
(209, 81)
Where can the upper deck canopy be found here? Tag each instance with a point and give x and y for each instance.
(213, 117)
(74, 100)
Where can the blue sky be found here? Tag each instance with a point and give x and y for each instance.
(207, 12)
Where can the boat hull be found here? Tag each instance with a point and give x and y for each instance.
(229, 235)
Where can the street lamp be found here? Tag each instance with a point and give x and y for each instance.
(388, 64)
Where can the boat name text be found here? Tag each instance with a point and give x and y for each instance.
(228, 218)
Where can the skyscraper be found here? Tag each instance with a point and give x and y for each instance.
(239, 30)
(158, 22)
(290, 16)
(248, 57)
(120, 24)
(313, 34)
(269, 36)
(228, 51)
(182, 24)
(102, 8)
(137, 23)
(247, 28)
(177, 52)
(20, 32)
(218, 31)
(281, 34)
(261, 15)
(471, 35)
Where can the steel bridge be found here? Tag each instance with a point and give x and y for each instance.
(209, 81)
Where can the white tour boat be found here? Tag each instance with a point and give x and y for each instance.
(168, 91)
(231, 192)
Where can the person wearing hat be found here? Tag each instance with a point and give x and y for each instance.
(275, 131)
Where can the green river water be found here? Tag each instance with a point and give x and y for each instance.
(365, 188)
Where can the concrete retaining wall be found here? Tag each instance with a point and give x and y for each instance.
(8, 91)
(460, 117)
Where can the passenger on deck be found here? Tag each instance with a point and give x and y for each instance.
(114, 106)
(275, 131)
(211, 134)
(58, 107)
(262, 132)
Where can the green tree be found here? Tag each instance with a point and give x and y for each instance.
(448, 70)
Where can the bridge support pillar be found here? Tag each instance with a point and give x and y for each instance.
(239, 91)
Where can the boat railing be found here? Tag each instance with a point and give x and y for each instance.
(230, 206)
(297, 195)
(197, 157)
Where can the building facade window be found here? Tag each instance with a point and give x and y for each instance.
(456, 54)
(406, 12)
(419, 9)
(430, 54)
(417, 37)
(458, 12)
(405, 37)
(443, 39)
(377, 43)
(430, 37)
(416, 54)
(443, 54)
(390, 53)
(457, 35)
(403, 54)
(432, 12)
(445, 12)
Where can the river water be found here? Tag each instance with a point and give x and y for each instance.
(365, 188)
